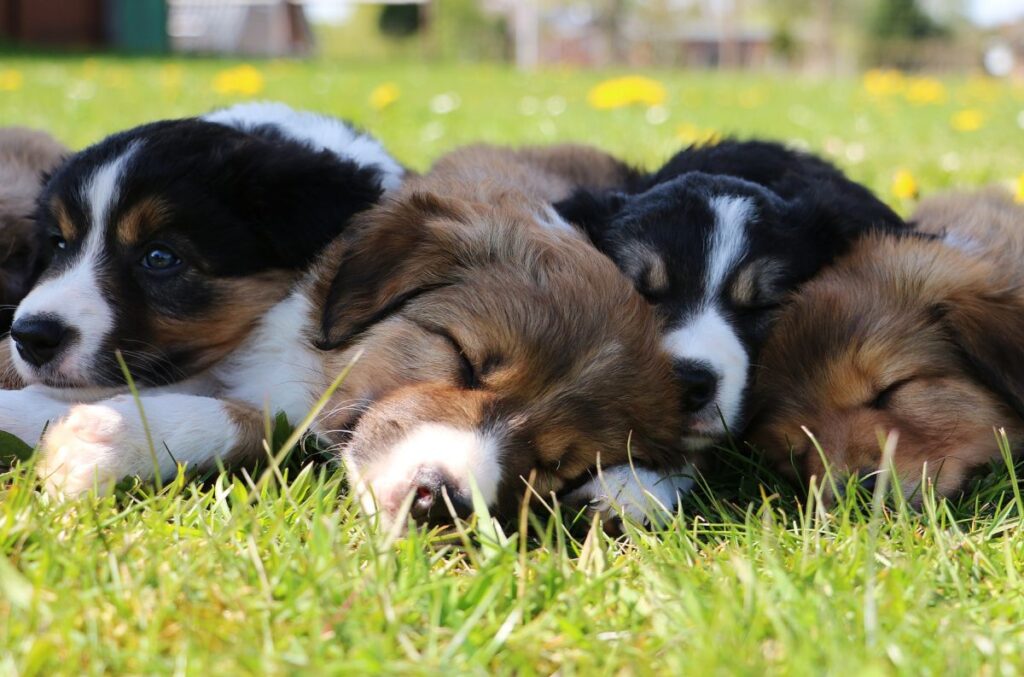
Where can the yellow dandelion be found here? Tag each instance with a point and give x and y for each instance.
(384, 95)
(1019, 193)
(690, 133)
(626, 91)
(924, 91)
(242, 80)
(967, 120)
(10, 80)
(883, 82)
(904, 185)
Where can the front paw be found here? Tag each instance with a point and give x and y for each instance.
(94, 446)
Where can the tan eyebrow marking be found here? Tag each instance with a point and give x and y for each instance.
(68, 230)
(141, 220)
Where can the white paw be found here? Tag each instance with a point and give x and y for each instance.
(638, 494)
(94, 446)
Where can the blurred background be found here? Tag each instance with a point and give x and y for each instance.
(824, 36)
(908, 96)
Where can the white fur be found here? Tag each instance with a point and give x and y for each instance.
(728, 241)
(276, 367)
(74, 296)
(317, 131)
(98, 444)
(25, 413)
(709, 339)
(641, 494)
(459, 453)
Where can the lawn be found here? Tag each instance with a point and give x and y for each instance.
(283, 576)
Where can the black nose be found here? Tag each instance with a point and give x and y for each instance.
(39, 339)
(699, 385)
(428, 504)
(868, 478)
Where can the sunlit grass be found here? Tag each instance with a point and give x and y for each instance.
(252, 574)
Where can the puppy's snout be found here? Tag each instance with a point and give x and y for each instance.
(699, 385)
(40, 339)
(430, 486)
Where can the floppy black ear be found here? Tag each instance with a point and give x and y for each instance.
(592, 212)
(988, 330)
(296, 199)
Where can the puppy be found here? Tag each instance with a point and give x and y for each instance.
(169, 243)
(493, 345)
(920, 335)
(715, 240)
(25, 156)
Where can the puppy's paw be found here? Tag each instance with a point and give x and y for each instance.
(637, 494)
(95, 445)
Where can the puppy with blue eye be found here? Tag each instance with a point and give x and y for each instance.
(716, 240)
(178, 245)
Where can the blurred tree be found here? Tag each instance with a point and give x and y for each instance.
(902, 20)
(400, 21)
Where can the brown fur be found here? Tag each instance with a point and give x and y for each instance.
(25, 155)
(941, 320)
(144, 218)
(570, 369)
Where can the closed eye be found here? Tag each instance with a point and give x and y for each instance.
(884, 396)
(469, 376)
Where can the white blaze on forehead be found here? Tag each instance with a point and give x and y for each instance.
(728, 240)
(707, 338)
(455, 452)
(74, 296)
(320, 132)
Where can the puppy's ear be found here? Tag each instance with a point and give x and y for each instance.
(988, 330)
(391, 256)
(296, 200)
(592, 212)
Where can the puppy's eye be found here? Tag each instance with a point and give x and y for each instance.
(58, 242)
(160, 259)
(468, 373)
(757, 287)
(884, 396)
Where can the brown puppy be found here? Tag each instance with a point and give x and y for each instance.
(495, 343)
(918, 335)
(25, 156)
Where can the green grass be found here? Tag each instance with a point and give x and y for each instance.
(223, 577)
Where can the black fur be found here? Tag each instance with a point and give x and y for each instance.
(806, 213)
(237, 203)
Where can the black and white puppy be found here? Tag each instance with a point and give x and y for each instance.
(176, 244)
(716, 239)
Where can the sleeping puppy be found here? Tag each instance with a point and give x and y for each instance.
(495, 344)
(25, 156)
(169, 243)
(715, 240)
(921, 336)
(483, 352)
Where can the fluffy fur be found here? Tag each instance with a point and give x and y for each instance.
(715, 240)
(490, 345)
(918, 335)
(26, 155)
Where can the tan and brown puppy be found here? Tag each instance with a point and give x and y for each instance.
(919, 335)
(496, 343)
(25, 156)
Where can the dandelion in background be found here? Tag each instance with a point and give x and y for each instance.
(242, 80)
(11, 80)
(1019, 192)
(967, 120)
(904, 185)
(626, 91)
(883, 82)
(384, 95)
(690, 134)
(924, 91)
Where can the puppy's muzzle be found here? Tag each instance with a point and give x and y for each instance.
(40, 339)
